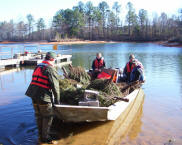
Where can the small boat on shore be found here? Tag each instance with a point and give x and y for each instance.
(73, 113)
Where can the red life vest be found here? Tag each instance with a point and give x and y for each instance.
(103, 75)
(99, 64)
(128, 68)
(38, 78)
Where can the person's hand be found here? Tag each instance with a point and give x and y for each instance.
(142, 82)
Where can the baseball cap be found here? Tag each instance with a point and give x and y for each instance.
(50, 55)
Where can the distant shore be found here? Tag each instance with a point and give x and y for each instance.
(169, 44)
(70, 42)
(60, 42)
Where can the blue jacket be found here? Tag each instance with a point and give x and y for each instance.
(137, 74)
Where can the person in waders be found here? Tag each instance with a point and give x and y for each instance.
(98, 64)
(44, 92)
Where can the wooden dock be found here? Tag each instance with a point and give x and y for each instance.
(60, 60)
(26, 56)
(32, 59)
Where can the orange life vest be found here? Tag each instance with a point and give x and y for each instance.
(128, 68)
(38, 78)
(99, 64)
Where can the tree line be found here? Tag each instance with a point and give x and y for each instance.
(88, 22)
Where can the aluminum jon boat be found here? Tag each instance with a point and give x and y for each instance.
(73, 113)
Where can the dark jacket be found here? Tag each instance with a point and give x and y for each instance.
(42, 94)
(99, 60)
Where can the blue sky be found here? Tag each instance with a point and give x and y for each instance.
(18, 9)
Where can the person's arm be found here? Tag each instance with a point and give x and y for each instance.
(141, 76)
(104, 64)
(54, 81)
(136, 74)
(125, 70)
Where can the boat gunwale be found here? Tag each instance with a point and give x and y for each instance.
(85, 107)
(119, 107)
(94, 107)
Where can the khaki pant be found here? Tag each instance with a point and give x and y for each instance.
(44, 118)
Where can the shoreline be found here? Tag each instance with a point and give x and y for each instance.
(60, 42)
(170, 44)
(71, 42)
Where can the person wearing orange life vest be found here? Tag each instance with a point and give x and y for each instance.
(44, 91)
(128, 69)
(98, 64)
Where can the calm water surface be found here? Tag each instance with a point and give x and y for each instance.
(158, 121)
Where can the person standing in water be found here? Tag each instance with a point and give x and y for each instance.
(44, 92)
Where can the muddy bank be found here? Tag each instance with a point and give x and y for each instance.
(169, 44)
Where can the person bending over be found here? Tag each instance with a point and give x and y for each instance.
(44, 91)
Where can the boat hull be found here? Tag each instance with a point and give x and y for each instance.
(71, 113)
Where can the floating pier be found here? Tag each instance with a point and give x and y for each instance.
(38, 58)
(30, 55)
(32, 59)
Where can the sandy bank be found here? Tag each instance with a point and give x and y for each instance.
(60, 43)
(70, 42)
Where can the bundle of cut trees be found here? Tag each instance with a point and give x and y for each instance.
(77, 80)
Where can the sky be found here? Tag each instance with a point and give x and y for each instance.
(18, 9)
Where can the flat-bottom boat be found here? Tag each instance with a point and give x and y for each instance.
(73, 113)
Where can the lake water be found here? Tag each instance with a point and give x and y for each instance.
(158, 122)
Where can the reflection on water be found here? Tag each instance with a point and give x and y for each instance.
(159, 121)
(17, 125)
(102, 133)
